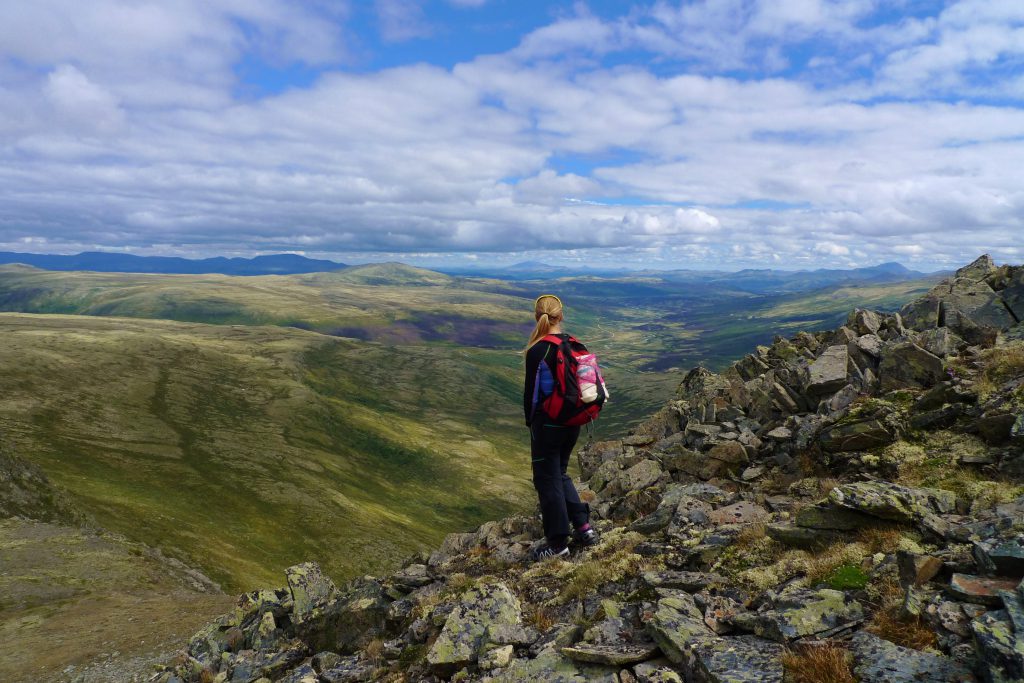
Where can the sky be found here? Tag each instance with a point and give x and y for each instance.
(698, 134)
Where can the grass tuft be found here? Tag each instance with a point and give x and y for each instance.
(826, 663)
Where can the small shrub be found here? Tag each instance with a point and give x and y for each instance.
(828, 663)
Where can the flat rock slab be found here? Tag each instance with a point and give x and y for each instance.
(690, 582)
(833, 517)
(980, 590)
(552, 667)
(886, 500)
(827, 374)
(879, 661)
(611, 655)
(803, 613)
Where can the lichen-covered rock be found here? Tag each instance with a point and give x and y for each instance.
(895, 502)
(677, 626)
(249, 665)
(496, 658)
(466, 627)
(656, 671)
(347, 622)
(551, 666)
(879, 661)
(1001, 649)
(301, 674)
(907, 365)
(310, 588)
(803, 613)
(348, 670)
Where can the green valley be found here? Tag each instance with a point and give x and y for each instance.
(353, 417)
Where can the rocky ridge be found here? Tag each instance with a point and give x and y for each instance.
(840, 506)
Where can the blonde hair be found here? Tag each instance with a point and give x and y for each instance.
(547, 309)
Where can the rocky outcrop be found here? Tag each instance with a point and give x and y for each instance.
(816, 492)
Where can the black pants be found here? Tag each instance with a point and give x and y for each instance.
(550, 447)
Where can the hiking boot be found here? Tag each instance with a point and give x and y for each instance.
(586, 539)
(546, 552)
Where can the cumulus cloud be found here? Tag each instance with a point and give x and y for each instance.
(723, 145)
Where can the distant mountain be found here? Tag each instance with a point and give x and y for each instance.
(767, 281)
(109, 262)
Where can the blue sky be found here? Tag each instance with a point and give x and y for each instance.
(713, 133)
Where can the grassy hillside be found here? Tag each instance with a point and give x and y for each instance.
(244, 449)
(90, 601)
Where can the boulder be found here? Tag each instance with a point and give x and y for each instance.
(250, 665)
(906, 365)
(879, 661)
(978, 302)
(802, 537)
(638, 477)
(480, 609)
(941, 342)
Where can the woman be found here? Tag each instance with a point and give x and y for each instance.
(551, 445)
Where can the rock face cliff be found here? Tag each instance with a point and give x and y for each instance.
(840, 506)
